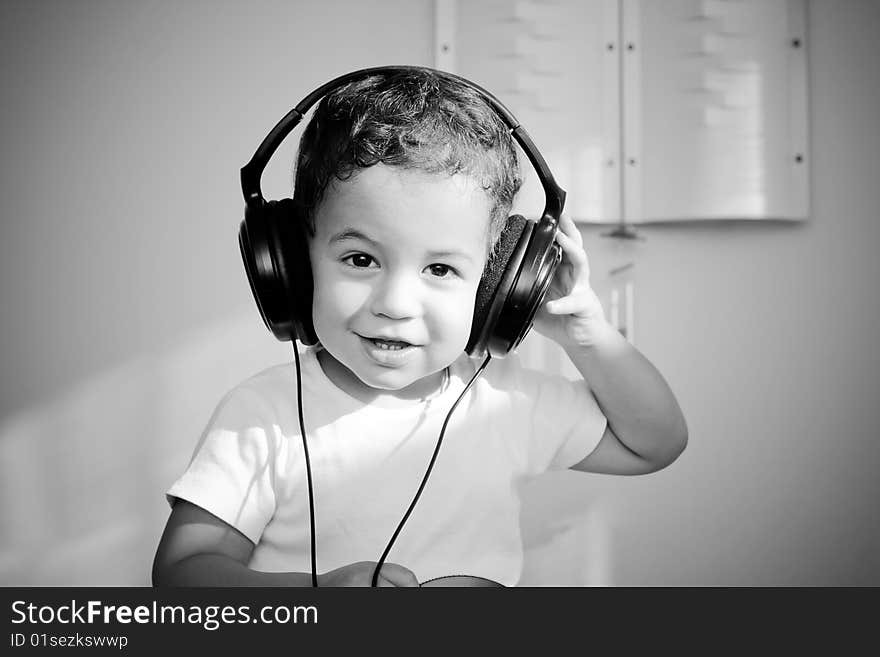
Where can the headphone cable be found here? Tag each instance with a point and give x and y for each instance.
(412, 505)
(302, 430)
(427, 472)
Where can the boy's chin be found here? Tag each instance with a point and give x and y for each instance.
(401, 383)
(416, 382)
(366, 378)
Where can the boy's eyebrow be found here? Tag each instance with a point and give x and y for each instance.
(454, 254)
(351, 234)
(354, 234)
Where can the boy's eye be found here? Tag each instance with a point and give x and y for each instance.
(441, 271)
(359, 260)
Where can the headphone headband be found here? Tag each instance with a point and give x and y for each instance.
(252, 172)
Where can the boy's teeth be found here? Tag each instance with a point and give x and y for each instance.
(390, 345)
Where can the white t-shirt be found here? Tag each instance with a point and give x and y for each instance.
(368, 461)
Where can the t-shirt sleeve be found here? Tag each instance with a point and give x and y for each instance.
(565, 421)
(573, 417)
(231, 473)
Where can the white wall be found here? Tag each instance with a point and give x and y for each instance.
(768, 334)
(126, 313)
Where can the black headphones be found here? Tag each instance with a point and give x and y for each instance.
(275, 250)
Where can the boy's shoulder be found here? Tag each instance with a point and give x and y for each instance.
(263, 387)
(270, 378)
(511, 374)
(278, 383)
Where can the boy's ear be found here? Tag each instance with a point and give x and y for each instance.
(486, 310)
(275, 252)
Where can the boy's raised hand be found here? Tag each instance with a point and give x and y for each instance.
(571, 314)
(361, 574)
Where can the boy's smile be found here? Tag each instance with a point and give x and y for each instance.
(396, 257)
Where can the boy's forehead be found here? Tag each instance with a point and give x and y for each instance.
(382, 202)
(381, 183)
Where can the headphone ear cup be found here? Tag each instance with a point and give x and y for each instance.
(293, 245)
(276, 259)
(489, 300)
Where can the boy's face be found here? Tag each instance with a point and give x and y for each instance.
(396, 257)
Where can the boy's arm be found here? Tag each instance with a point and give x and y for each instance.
(199, 549)
(646, 429)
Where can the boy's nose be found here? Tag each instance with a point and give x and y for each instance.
(397, 297)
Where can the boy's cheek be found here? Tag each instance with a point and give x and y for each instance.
(339, 295)
(458, 319)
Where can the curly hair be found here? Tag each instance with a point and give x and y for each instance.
(413, 119)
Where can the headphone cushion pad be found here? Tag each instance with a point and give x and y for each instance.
(494, 273)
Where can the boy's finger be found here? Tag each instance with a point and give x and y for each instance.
(569, 227)
(576, 254)
(569, 305)
(397, 575)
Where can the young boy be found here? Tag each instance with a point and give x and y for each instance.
(405, 182)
